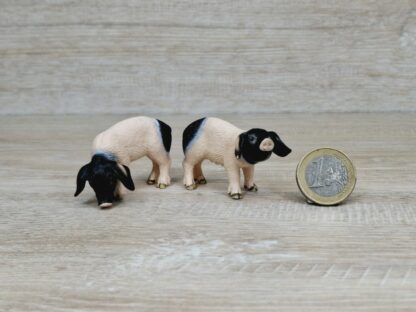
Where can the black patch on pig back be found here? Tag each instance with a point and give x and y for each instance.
(190, 133)
(166, 133)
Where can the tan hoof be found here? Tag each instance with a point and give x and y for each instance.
(251, 188)
(236, 196)
(190, 187)
(162, 186)
(151, 182)
(105, 205)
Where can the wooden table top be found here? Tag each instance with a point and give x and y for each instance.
(179, 250)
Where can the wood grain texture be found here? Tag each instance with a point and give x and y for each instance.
(183, 56)
(177, 250)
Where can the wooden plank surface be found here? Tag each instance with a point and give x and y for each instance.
(88, 56)
(176, 250)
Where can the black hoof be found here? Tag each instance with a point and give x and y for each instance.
(251, 189)
(201, 181)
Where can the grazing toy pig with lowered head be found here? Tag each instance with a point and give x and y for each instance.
(224, 144)
(116, 147)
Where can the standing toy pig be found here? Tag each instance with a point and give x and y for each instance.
(224, 144)
(116, 147)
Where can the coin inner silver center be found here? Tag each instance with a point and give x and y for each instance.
(326, 175)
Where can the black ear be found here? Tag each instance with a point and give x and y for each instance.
(280, 148)
(82, 177)
(124, 178)
(241, 139)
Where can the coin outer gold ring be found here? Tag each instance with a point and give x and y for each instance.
(310, 194)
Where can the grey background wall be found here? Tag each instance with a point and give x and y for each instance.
(106, 56)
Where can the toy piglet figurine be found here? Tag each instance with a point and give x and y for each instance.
(224, 144)
(115, 148)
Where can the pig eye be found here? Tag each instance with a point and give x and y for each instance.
(252, 139)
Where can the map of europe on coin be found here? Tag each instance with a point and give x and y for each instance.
(326, 175)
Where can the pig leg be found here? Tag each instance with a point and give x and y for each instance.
(249, 184)
(188, 178)
(234, 189)
(198, 175)
(154, 175)
(164, 167)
